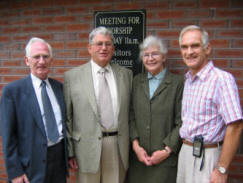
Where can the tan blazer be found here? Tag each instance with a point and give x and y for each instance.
(84, 129)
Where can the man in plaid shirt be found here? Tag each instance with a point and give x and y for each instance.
(211, 113)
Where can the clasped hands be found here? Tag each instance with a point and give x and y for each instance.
(156, 158)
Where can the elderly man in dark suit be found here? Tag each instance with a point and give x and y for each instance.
(32, 122)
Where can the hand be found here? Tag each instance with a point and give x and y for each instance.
(141, 154)
(159, 156)
(217, 177)
(21, 179)
(73, 163)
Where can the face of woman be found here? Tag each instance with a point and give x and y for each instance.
(153, 60)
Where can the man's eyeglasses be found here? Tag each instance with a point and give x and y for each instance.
(101, 44)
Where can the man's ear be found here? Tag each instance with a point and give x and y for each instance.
(208, 49)
(26, 61)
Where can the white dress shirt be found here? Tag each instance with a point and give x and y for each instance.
(112, 85)
(56, 108)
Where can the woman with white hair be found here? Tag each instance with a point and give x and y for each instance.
(155, 118)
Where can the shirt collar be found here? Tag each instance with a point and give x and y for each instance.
(37, 81)
(96, 67)
(159, 76)
(202, 74)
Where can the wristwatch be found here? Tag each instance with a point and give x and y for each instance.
(221, 169)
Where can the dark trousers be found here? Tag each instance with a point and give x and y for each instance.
(56, 170)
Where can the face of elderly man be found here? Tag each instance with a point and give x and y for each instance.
(39, 60)
(101, 50)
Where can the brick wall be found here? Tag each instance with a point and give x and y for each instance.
(67, 23)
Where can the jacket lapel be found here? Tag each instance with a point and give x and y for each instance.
(34, 105)
(87, 80)
(163, 85)
(145, 85)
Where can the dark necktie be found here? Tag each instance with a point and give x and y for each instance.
(104, 101)
(51, 125)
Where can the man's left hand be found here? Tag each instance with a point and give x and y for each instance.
(217, 177)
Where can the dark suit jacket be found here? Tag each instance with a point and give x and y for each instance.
(23, 134)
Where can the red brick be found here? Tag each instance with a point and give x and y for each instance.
(156, 5)
(71, 45)
(11, 63)
(168, 34)
(10, 30)
(53, 11)
(4, 39)
(236, 23)
(171, 14)
(4, 71)
(21, 22)
(84, 36)
(17, 55)
(42, 4)
(31, 29)
(60, 70)
(237, 3)
(219, 43)
(66, 54)
(43, 36)
(127, 6)
(214, 23)
(57, 45)
(35, 12)
(8, 79)
(67, 19)
(43, 20)
(9, 14)
(237, 73)
(174, 53)
(55, 28)
(58, 62)
(76, 62)
(77, 10)
(182, 23)
(21, 5)
(83, 53)
(234, 53)
(237, 63)
(185, 4)
(221, 63)
(87, 18)
(77, 27)
(102, 8)
(238, 43)
(214, 3)
(198, 14)
(4, 23)
(159, 24)
(229, 13)
(230, 33)
(66, 2)
(21, 71)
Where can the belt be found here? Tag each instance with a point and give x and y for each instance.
(205, 145)
(106, 134)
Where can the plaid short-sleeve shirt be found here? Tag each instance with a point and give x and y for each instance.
(210, 102)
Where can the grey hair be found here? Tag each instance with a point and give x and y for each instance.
(204, 39)
(152, 41)
(34, 40)
(100, 30)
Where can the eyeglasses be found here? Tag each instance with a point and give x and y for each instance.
(38, 57)
(101, 44)
(153, 55)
